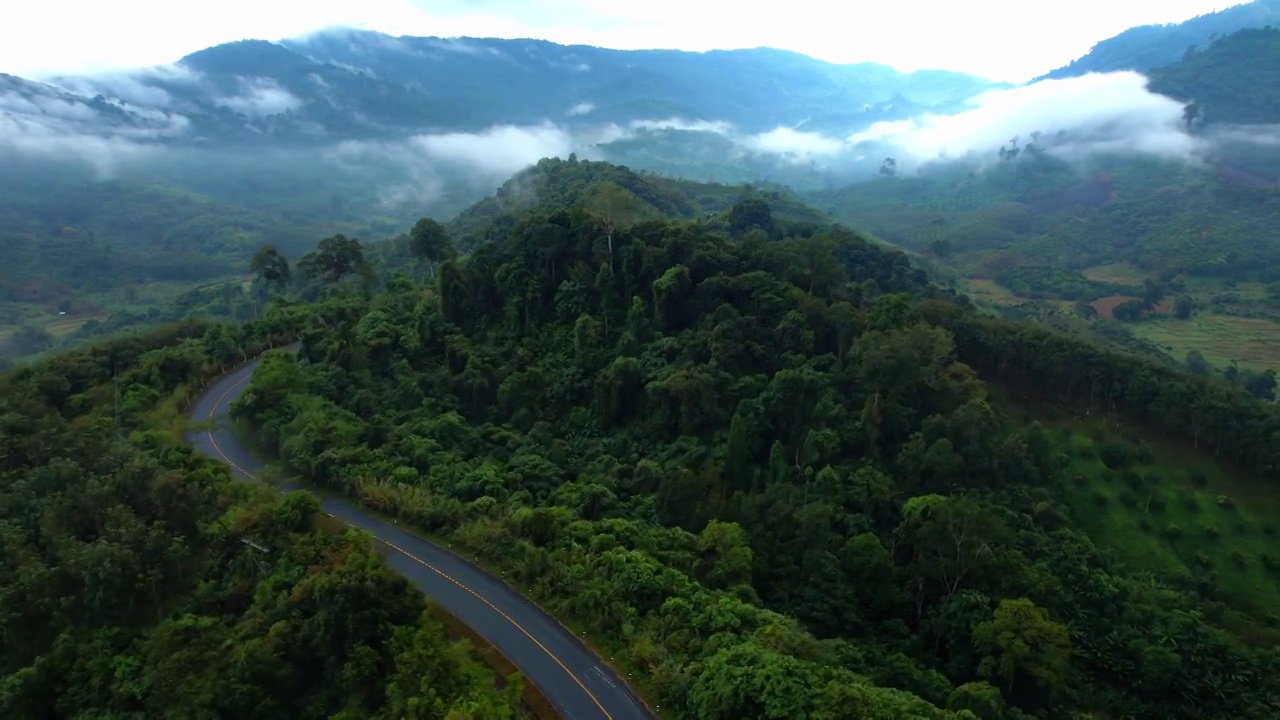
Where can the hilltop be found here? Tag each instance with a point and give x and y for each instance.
(1151, 46)
(1067, 241)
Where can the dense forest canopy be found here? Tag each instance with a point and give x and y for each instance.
(139, 581)
(779, 474)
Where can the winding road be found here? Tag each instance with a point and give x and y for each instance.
(572, 678)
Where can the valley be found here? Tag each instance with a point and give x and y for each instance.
(586, 382)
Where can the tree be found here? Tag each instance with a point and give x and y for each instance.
(751, 213)
(428, 240)
(1129, 310)
(940, 248)
(616, 207)
(1196, 364)
(1182, 307)
(1020, 645)
(334, 259)
(270, 266)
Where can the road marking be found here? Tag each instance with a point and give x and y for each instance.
(213, 411)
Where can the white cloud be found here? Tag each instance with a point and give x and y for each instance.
(260, 97)
(674, 123)
(794, 145)
(581, 109)
(1111, 112)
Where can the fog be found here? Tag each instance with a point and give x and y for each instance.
(141, 124)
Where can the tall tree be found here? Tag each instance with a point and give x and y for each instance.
(616, 207)
(429, 241)
(270, 266)
(334, 259)
(1021, 643)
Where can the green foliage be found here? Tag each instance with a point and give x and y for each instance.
(139, 581)
(1152, 46)
(757, 462)
(1232, 81)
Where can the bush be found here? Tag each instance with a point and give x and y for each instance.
(1190, 503)
(1238, 558)
(1226, 502)
(1115, 455)
(1157, 504)
(1199, 480)
(1202, 559)
(1127, 499)
(1143, 453)
(1173, 530)
(1100, 499)
(1212, 532)
(1133, 479)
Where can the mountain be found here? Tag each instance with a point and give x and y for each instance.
(556, 183)
(781, 475)
(1151, 46)
(358, 85)
(1172, 253)
(1236, 80)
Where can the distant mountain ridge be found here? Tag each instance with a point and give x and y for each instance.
(1147, 47)
(348, 84)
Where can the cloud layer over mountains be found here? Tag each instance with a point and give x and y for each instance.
(119, 121)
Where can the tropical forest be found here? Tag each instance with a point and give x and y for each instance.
(989, 437)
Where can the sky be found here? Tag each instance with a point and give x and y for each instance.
(1004, 40)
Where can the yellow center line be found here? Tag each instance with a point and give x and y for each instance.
(214, 442)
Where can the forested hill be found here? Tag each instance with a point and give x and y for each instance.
(1235, 80)
(1151, 46)
(623, 195)
(775, 473)
(139, 581)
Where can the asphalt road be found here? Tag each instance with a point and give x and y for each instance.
(572, 678)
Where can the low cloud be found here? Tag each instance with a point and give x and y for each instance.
(794, 145)
(581, 109)
(260, 97)
(427, 164)
(1074, 117)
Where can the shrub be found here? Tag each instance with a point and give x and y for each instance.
(1202, 559)
(1143, 453)
(1115, 455)
(1173, 530)
(1190, 503)
(1127, 499)
(1238, 558)
(1133, 479)
(1199, 480)
(1226, 502)
(1157, 504)
(1212, 532)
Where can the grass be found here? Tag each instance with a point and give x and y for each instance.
(1178, 515)
(1115, 273)
(1251, 342)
